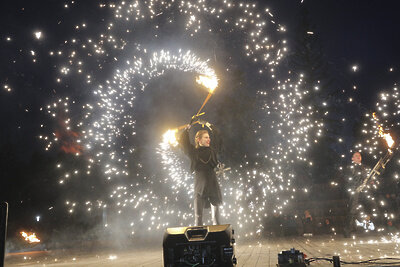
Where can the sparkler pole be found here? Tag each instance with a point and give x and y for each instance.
(3, 230)
(204, 103)
(377, 170)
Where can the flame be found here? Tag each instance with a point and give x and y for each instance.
(31, 237)
(210, 82)
(169, 137)
(388, 138)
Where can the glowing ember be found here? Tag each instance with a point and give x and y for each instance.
(209, 82)
(30, 237)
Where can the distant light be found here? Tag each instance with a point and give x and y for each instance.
(310, 33)
(7, 88)
(354, 68)
(38, 35)
(37, 218)
(112, 257)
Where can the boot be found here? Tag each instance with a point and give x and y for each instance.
(198, 211)
(215, 214)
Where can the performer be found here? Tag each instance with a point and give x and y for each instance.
(354, 177)
(203, 157)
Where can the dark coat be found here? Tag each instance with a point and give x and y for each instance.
(203, 160)
(355, 175)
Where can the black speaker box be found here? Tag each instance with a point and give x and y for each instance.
(200, 246)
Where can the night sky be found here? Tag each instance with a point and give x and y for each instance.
(351, 33)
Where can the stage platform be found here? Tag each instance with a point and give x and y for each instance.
(258, 252)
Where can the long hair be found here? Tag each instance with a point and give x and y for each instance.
(198, 136)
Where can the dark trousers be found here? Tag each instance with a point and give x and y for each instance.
(198, 211)
(352, 214)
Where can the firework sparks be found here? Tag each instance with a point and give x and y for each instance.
(105, 125)
(209, 82)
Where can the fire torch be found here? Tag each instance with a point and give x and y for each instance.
(209, 82)
(381, 164)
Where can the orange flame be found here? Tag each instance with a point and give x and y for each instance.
(388, 138)
(31, 237)
(210, 82)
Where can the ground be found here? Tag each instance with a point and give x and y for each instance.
(258, 252)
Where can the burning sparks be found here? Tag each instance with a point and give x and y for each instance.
(388, 138)
(30, 237)
(103, 129)
(170, 137)
(209, 82)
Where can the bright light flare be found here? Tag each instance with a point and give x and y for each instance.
(170, 137)
(112, 257)
(38, 35)
(389, 139)
(30, 237)
(210, 82)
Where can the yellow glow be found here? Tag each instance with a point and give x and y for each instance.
(389, 139)
(210, 82)
(31, 238)
(169, 137)
(386, 136)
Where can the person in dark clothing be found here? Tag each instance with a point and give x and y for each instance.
(203, 157)
(354, 178)
(308, 223)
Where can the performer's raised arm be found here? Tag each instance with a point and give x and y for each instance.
(184, 142)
